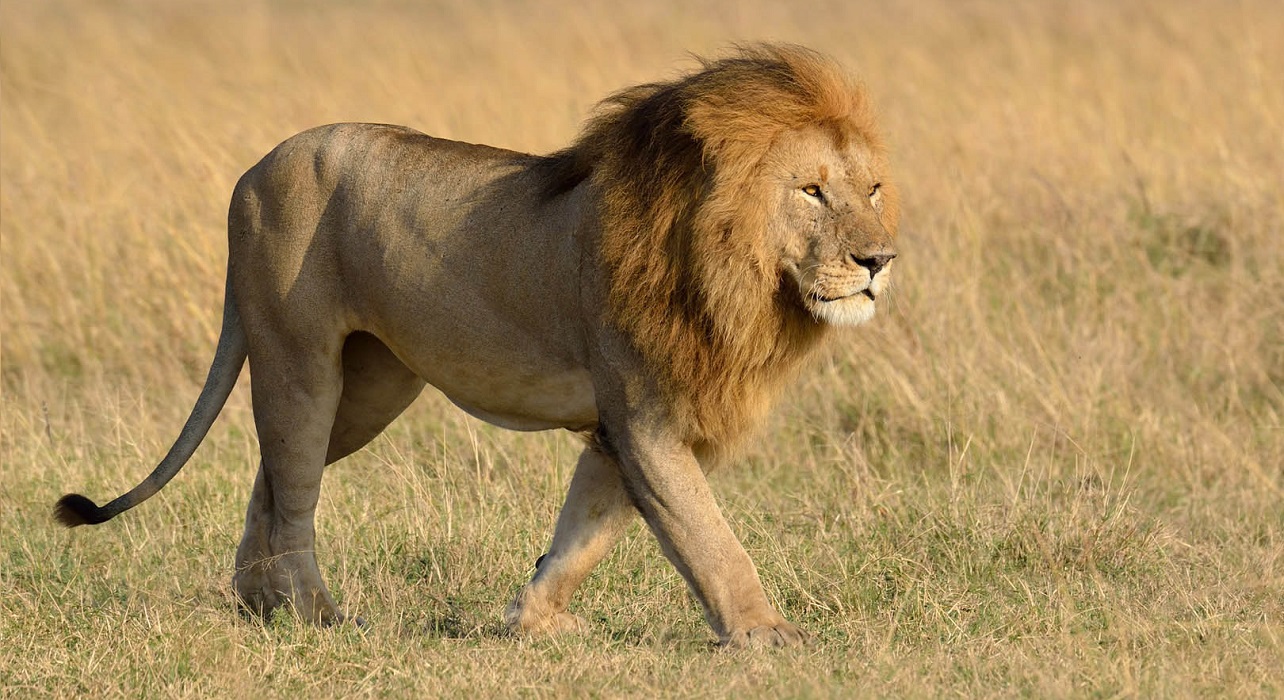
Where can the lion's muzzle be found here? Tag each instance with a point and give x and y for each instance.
(874, 263)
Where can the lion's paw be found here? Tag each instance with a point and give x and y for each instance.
(561, 623)
(781, 634)
(526, 620)
(254, 595)
(258, 597)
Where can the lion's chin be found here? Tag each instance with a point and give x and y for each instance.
(848, 311)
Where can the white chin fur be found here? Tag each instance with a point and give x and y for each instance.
(851, 311)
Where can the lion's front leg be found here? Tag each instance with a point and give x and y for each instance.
(595, 514)
(669, 487)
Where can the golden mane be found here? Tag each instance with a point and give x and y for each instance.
(674, 166)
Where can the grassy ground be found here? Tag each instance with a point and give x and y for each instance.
(1052, 467)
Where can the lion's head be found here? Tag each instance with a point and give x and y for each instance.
(830, 223)
(745, 208)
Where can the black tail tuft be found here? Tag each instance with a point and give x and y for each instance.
(74, 509)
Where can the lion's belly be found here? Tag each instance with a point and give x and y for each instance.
(564, 400)
(512, 374)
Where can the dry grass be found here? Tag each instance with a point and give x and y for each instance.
(1053, 468)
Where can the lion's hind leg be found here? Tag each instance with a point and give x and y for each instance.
(295, 396)
(377, 387)
(253, 556)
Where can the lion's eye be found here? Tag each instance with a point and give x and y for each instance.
(873, 191)
(812, 191)
(876, 195)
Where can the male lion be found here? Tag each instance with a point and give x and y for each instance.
(650, 287)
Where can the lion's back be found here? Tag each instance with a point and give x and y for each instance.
(353, 178)
(365, 159)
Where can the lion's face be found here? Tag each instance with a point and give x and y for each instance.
(834, 222)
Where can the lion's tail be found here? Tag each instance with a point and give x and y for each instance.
(74, 509)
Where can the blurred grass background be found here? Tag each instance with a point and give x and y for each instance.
(1052, 466)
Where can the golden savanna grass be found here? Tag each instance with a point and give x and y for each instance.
(1051, 466)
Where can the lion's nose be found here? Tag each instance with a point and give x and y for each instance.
(873, 263)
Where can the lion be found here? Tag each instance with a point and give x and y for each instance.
(651, 287)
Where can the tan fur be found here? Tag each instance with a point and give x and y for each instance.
(652, 286)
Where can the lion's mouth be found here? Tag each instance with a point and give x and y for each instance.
(867, 292)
